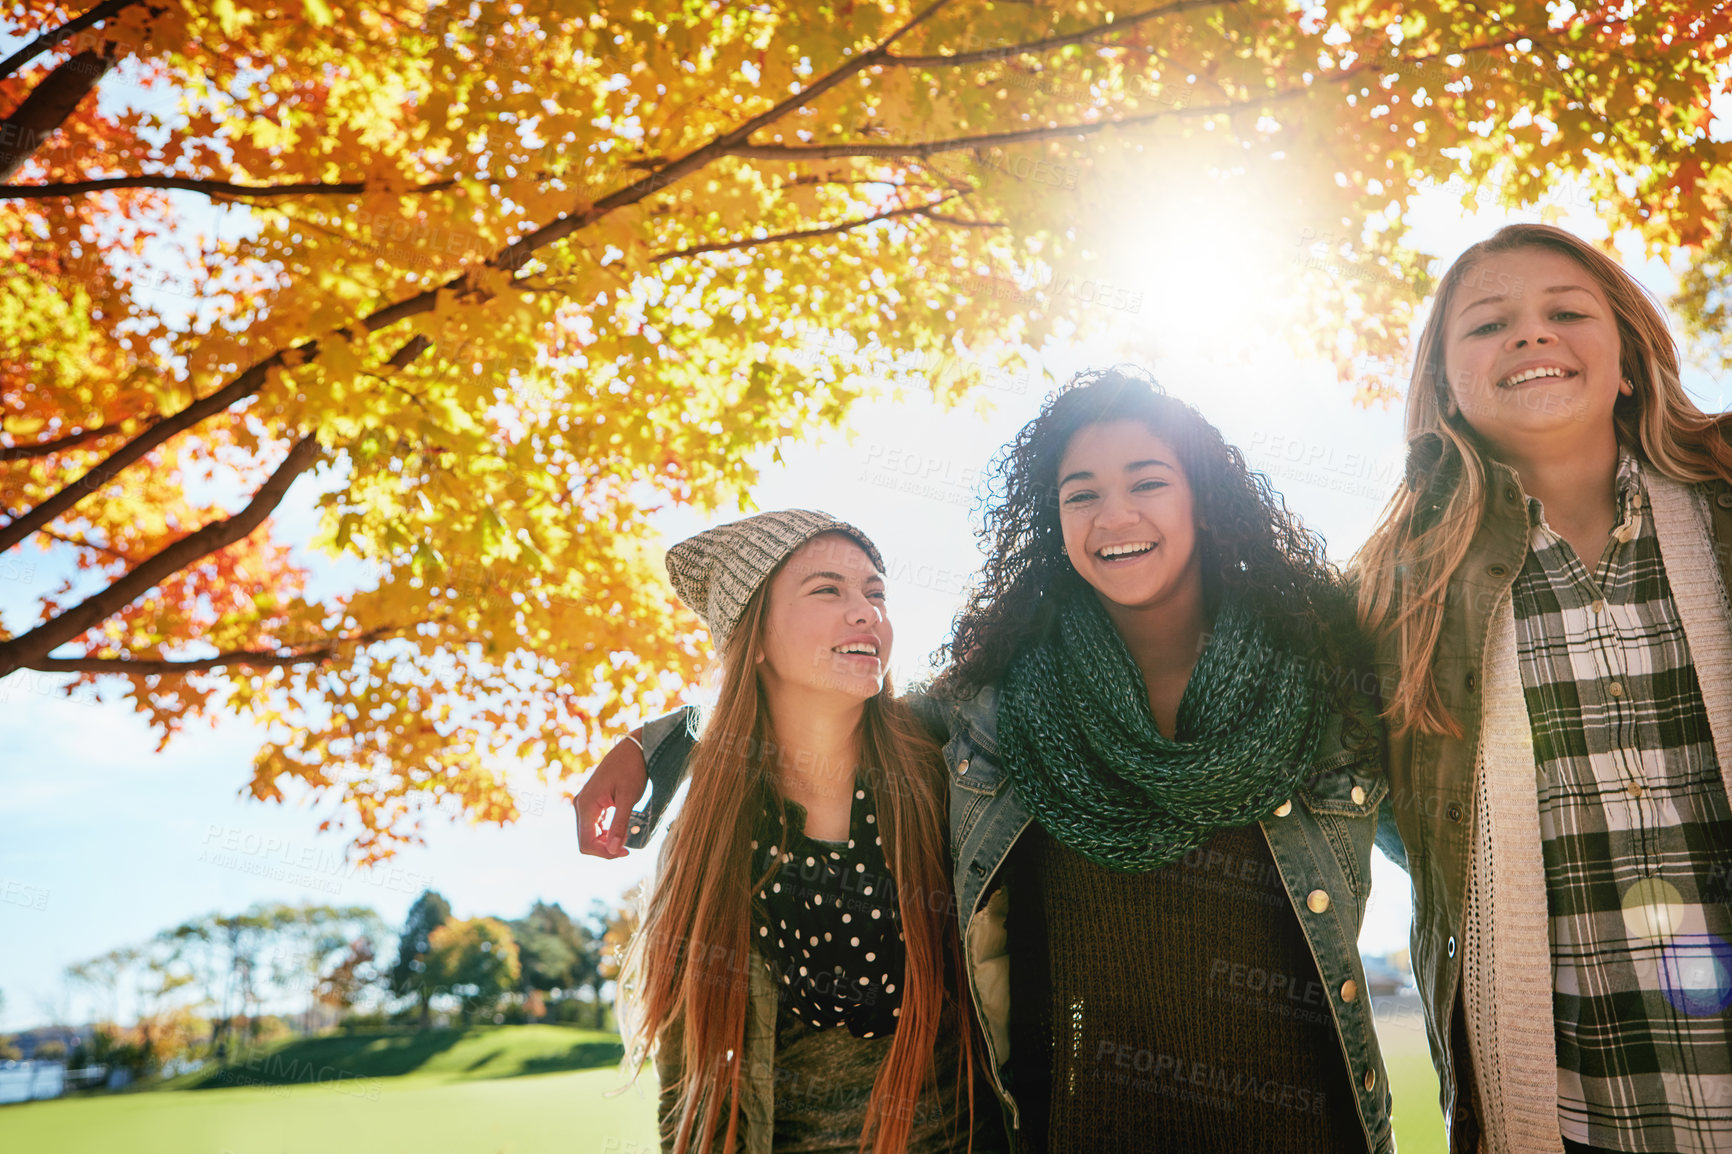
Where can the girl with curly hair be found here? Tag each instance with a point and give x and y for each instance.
(1165, 782)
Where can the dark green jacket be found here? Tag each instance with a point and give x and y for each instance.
(757, 1094)
(814, 1095)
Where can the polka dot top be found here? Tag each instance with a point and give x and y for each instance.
(828, 921)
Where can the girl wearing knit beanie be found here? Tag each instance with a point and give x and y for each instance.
(796, 983)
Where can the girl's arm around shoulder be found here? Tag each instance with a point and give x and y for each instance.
(655, 755)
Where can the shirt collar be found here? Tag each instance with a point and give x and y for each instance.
(1628, 490)
(1629, 486)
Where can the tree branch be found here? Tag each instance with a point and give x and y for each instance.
(803, 152)
(1033, 47)
(55, 35)
(410, 349)
(940, 218)
(35, 645)
(49, 104)
(49, 448)
(799, 152)
(257, 660)
(160, 430)
(83, 544)
(215, 189)
(252, 658)
(517, 253)
(155, 434)
(803, 234)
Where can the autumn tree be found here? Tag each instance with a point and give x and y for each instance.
(102, 977)
(344, 982)
(163, 1022)
(476, 960)
(327, 953)
(222, 955)
(487, 285)
(272, 950)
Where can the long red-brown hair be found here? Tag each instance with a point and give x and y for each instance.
(691, 959)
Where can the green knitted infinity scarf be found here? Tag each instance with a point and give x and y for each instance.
(1081, 748)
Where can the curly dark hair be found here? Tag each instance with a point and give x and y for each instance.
(1252, 548)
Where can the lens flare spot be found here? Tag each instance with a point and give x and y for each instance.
(1696, 974)
(1653, 909)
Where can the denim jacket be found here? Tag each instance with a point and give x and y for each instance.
(1321, 841)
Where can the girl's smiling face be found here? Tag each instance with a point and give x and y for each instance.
(1531, 350)
(1128, 516)
(826, 627)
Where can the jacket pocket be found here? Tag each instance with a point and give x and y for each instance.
(974, 782)
(1342, 798)
(1346, 785)
(972, 771)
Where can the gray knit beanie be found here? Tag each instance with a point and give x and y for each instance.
(717, 571)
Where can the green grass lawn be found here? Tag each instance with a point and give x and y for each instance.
(414, 1114)
(485, 1090)
(474, 1052)
(478, 1091)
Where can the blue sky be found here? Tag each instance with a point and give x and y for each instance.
(104, 841)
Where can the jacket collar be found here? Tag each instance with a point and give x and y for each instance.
(1505, 510)
(979, 715)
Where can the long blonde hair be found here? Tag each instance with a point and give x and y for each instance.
(1406, 566)
(690, 960)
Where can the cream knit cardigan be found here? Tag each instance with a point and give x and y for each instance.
(1506, 960)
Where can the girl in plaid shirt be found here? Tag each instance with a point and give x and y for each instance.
(1549, 596)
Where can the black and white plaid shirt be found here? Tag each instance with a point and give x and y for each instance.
(1637, 835)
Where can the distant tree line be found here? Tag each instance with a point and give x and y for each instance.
(210, 987)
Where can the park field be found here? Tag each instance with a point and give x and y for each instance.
(487, 1090)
